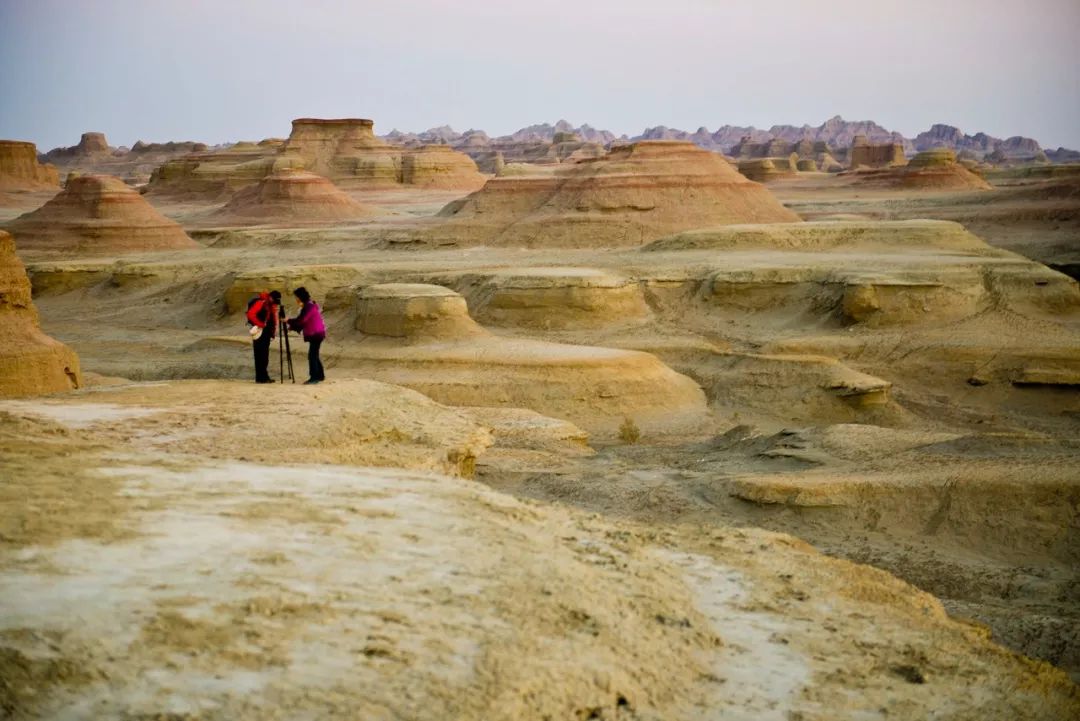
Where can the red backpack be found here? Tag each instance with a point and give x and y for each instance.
(254, 307)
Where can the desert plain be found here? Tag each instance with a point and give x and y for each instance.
(613, 429)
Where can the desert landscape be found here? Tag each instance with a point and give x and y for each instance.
(739, 424)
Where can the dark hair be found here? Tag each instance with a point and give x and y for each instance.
(276, 295)
(302, 294)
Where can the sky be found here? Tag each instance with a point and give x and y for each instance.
(225, 70)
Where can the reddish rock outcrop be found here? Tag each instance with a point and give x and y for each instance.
(634, 194)
(20, 169)
(31, 362)
(292, 196)
(98, 214)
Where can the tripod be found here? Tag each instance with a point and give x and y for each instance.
(283, 332)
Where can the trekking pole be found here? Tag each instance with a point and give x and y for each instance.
(288, 351)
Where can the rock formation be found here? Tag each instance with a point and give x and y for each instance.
(333, 286)
(557, 298)
(634, 194)
(90, 145)
(422, 336)
(533, 144)
(931, 170)
(345, 150)
(1017, 149)
(863, 154)
(414, 311)
(98, 214)
(94, 156)
(348, 152)
(216, 174)
(763, 170)
(292, 196)
(31, 362)
(21, 171)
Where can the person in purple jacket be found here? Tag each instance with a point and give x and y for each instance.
(309, 321)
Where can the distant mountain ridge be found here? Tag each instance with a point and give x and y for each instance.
(835, 131)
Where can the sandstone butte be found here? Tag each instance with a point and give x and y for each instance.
(91, 145)
(763, 170)
(935, 169)
(345, 150)
(863, 153)
(216, 174)
(30, 362)
(98, 214)
(94, 156)
(633, 195)
(293, 196)
(20, 169)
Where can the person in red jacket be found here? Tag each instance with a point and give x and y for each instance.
(262, 315)
(309, 321)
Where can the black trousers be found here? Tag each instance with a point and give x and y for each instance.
(261, 348)
(315, 369)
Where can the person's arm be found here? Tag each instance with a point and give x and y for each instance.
(297, 324)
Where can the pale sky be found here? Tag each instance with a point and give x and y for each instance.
(225, 70)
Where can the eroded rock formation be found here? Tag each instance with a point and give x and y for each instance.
(422, 336)
(763, 170)
(348, 152)
(98, 214)
(20, 169)
(634, 194)
(216, 174)
(557, 298)
(345, 150)
(292, 196)
(864, 154)
(31, 362)
(94, 156)
(936, 169)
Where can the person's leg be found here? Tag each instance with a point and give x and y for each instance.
(315, 369)
(262, 357)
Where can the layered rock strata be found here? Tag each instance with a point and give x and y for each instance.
(31, 362)
(936, 169)
(93, 155)
(558, 298)
(217, 174)
(634, 194)
(862, 153)
(348, 152)
(20, 169)
(422, 337)
(764, 170)
(99, 214)
(292, 196)
(345, 150)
